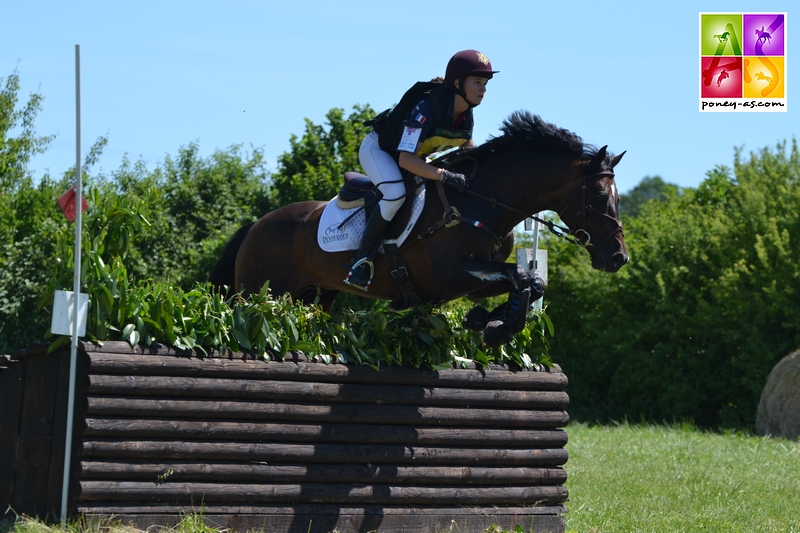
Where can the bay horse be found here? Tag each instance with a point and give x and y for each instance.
(460, 243)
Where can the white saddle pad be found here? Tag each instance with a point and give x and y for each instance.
(333, 238)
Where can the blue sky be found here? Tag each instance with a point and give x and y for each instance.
(159, 75)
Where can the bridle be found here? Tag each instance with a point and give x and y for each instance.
(452, 216)
(590, 208)
(561, 231)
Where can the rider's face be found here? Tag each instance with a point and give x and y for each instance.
(475, 88)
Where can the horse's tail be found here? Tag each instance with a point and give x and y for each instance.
(224, 272)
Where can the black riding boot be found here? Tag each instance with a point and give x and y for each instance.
(360, 274)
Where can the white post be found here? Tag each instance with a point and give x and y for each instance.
(76, 288)
(538, 305)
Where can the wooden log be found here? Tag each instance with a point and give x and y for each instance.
(58, 444)
(172, 365)
(332, 509)
(134, 407)
(171, 472)
(352, 494)
(31, 351)
(11, 393)
(326, 518)
(310, 392)
(325, 433)
(552, 453)
(35, 437)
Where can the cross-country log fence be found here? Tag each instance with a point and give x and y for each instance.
(291, 446)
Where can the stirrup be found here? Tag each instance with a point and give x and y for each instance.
(359, 283)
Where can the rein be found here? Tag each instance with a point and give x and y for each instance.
(561, 231)
(452, 216)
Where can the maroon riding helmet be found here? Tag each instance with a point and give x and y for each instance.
(467, 63)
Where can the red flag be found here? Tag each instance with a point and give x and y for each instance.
(67, 204)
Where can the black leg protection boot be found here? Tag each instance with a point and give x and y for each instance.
(517, 309)
(360, 274)
(499, 332)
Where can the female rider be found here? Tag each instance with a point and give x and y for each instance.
(402, 138)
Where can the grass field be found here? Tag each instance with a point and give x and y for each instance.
(639, 478)
(678, 479)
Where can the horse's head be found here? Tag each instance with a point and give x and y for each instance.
(592, 213)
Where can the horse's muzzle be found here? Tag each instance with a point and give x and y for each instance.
(610, 264)
(618, 260)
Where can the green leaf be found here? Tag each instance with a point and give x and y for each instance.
(129, 333)
(302, 345)
(242, 339)
(425, 337)
(550, 329)
(58, 343)
(437, 322)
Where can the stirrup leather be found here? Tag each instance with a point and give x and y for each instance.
(356, 265)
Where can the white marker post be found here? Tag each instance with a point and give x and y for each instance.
(533, 259)
(536, 266)
(76, 288)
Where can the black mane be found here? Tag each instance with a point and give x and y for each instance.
(526, 131)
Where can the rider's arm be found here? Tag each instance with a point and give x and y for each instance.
(418, 167)
(418, 126)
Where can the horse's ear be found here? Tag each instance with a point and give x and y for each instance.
(617, 159)
(599, 157)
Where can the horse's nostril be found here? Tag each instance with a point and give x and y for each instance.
(620, 259)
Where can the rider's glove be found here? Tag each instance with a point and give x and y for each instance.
(455, 180)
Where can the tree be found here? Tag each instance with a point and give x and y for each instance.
(16, 152)
(18, 143)
(192, 206)
(314, 167)
(651, 188)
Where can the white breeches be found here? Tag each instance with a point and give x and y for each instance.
(383, 172)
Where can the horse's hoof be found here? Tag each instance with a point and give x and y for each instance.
(536, 284)
(476, 319)
(496, 334)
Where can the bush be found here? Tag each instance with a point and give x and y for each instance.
(692, 326)
(191, 206)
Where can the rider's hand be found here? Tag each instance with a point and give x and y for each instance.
(455, 180)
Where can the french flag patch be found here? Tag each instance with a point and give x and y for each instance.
(420, 118)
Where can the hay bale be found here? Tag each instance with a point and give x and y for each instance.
(779, 408)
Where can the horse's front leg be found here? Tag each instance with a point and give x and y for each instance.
(501, 324)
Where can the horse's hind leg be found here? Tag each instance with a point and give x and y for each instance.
(507, 320)
(522, 288)
(479, 317)
(327, 298)
(317, 295)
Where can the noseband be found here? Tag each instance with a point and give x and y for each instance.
(589, 208)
